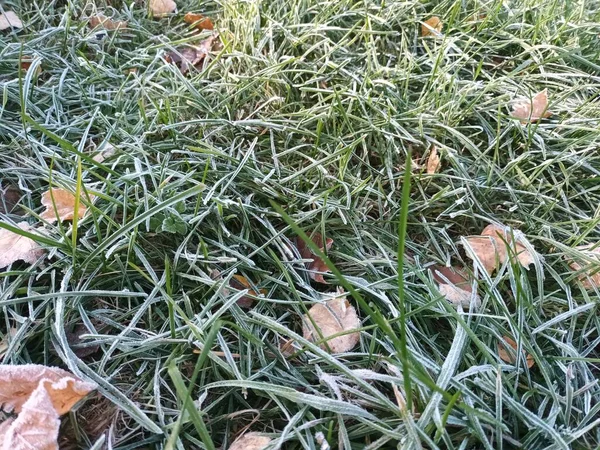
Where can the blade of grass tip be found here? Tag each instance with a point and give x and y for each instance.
(186, 394)
(402, 225)
(169, 288)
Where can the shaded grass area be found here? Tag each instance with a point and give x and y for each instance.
(313, 106)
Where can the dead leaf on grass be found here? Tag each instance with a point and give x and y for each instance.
(432, 26)
(162, 8)
(330, 318)
(106, 23)
(251, 441)
(191, 56)
(14, 247)
(590, 276)
(10, 20)
(491, 247)
(239, 282)
(60, 204)
(199, 21)
(9, 198)
(433, 163)
(455, 284)
(77, 344)
(532, 109)
(39, 395)
(4, 343)
(509, 356)
(317, 266)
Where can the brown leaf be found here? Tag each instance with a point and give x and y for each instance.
(433, 163)
(25, 63)
(106, 23)
(199, 21)
(39, 395)
(333, 317)
(10, 20)
(187, 57)
(532, 110)
(65, 205)
(491, 248)
(288, 347)
(75, 342)
(590, 276)
(14, 247)
(432, 26)
(161, 8)
(510, 356)
(239, 282)
(317, 266)
(455, 285)
(251, 441)
(9, 198)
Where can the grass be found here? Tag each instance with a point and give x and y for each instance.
(310, 108)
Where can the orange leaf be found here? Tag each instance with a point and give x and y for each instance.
(432, 26)
(39, 395)
(317, 265)
(239, 282)
(199, 21)
(532, 110)
(14, 247)
(433, 163)
(510, 356)
(161, 8)
(106, 23)
(60, 204)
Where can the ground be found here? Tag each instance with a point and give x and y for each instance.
(303, 117)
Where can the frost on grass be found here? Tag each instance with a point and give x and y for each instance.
(590, 272)
(14, 247)
(316, 266)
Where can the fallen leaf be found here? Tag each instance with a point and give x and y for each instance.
(161, 8)
(433, 163)
(25, 63)
(432, 26)
(39, 395)
(532, 110)
(10, 20)
(332, 317)
(77, 344)
(317, 266)
(14, 247)
(109, 150)
(4, 343)
(251, 441)
(590, 276)
(288, 347)
(9, 198)
(491, 247)
(106, 23)
(455, 285)
(507, 356)
(187, 57)
(239, 282)
(65, 205)
(199, 21)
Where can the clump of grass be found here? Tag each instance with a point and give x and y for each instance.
(312, 106)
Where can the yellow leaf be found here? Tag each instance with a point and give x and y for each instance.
(433, 163)
(432, 26)
(10, 20)
(161, 8)
(532, 110)
(251, 441)
(40, 395)
(332, 317)
(508, 355)
(60, 204)
(199, 21)
(590, 278)
(106, 23)
(14, 247)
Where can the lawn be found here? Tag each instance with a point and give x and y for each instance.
(183, 286)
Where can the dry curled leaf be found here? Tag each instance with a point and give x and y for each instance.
(432, 26)
(330, 318)
(251, 441)
(39, 395)
(508, 355)
(456, 286)
(60, 204)
(161, 8)
(10, 20)
(199, 21)
(191, 56)
(317, 266)
(590, 276)
(491, 247)
(106, 23)
(532, 109)
(433, 163)
(14, 247)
